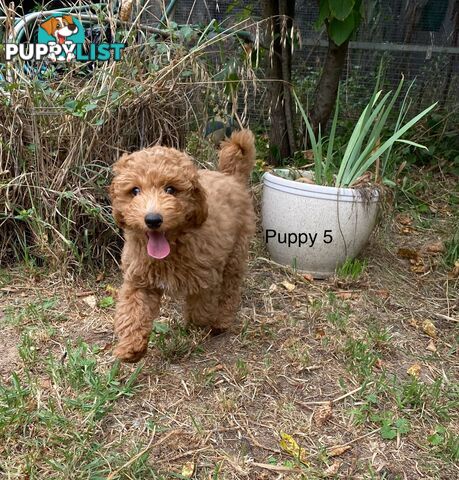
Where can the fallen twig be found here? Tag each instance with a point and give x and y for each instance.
(275, 468)
(446, 317)
(338, 399)
(356, 439)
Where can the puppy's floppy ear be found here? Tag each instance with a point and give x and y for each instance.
(50, 26)
(118, 216)
(200, 210)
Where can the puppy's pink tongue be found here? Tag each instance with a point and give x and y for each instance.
(158, 247)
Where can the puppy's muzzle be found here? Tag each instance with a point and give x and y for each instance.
(153, 220)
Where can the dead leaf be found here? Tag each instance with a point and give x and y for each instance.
(345, 295)
(323, 414)
(338, 450)
(90, 300)
(419, 267)
(436, 247)
(215, 368)
(308, 154)
(305, 180)
(429, 328)
(111, 290)
(45, 383)
(379, 363)
(414, 370)
(272, 288)
(320, 333)
(100, 277)
(363, 180)
(383, 293)
(188, 469)
(107, 347)
(408, 253)
(404, 219)
(288, 286)
(308, 277)
(289, 445)
(333, 469)
(413, 322)
(407, 230)
(431, 346)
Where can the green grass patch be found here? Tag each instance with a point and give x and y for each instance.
(451, 255)
(352, 269)
(37, 312)
(174, 341)
(49, 423)
(444, 443)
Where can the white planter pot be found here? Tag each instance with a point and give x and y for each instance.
(315, 228)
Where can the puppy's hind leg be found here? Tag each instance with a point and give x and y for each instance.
(135, 311)
(201, 308)
(230, 293)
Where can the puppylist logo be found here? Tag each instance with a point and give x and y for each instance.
(61, 38)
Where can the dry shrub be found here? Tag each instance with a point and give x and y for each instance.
(56, 157)
(60, 132)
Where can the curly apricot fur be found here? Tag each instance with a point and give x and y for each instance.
(208, 222)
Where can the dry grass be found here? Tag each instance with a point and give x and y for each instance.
(61, 130)
(325, 363)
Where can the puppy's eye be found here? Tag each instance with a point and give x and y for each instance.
(170, 190)
(135, 191)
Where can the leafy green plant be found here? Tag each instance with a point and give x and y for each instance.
(444, 442)
(27, 349)
(366, 146)
(107, 302)
(75, 397)
(391, 427)
(5, 278)
(342, 18)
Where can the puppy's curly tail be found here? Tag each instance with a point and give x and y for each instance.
(237, 155)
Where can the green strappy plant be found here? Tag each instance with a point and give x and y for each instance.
(366, 144)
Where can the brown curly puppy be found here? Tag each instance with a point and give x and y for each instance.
(187, 232)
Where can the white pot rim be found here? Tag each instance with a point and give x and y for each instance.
(318, 191)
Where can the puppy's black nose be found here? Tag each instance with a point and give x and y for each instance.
(72, 27)
(153, 220)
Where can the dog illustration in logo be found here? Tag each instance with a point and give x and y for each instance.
(60, 28)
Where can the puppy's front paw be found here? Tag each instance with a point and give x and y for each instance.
(130, 352)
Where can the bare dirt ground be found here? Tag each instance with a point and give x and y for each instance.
(320, 379)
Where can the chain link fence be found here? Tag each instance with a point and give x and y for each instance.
(415, 38)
